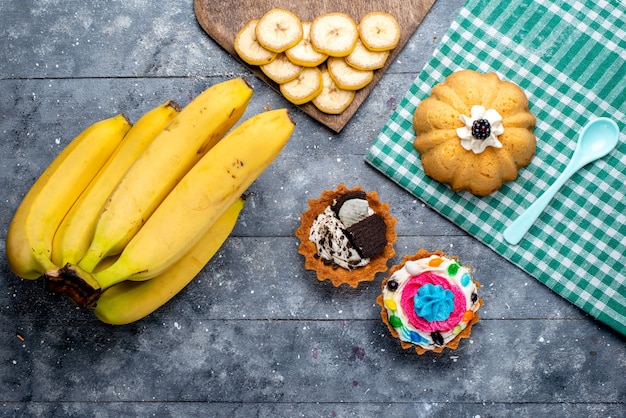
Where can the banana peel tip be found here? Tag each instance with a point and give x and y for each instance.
(75, 284)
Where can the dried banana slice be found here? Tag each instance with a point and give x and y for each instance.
(303, 88)
(334, 34)
(347, 77)
(249, 49)
(303, 53)
(281, 70)
(279, 29)
(379, 31)
(364, 59)
(332, 99)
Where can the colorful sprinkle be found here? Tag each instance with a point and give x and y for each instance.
(395, 321)
(465, 280)
(453, 269)
(391, 304)
(412, 267)
(457, 330)
(416, 338)
(435, 262)
(437, 338)
(468, 315)
(392, 285)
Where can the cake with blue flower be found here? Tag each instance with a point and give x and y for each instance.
(430, 301)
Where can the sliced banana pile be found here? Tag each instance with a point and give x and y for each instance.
(324, 61)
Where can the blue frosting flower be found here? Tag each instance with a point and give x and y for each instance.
(433, 302)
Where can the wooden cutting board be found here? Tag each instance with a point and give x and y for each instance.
(222, 19)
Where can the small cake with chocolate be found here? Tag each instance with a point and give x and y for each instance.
(347, 236)
(429, 301)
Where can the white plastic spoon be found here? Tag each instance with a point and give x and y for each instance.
(597, 139)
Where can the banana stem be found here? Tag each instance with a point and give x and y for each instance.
(75, 284)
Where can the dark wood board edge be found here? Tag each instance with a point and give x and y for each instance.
(221, 20)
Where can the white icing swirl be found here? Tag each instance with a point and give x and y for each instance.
(468, 141)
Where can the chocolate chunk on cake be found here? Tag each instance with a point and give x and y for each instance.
(368, 236)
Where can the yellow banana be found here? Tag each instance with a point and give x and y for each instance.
(130, 301)
(30, 235)
(196, 202)
(198, 127)
(74, 235)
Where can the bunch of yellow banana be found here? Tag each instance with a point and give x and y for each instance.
(127, 215)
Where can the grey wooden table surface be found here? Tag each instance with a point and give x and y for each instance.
(256, 334)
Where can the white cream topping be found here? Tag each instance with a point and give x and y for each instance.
(353, 211)
(468, 141)
(331, 242)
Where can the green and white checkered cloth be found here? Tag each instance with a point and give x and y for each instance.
(570, 59)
